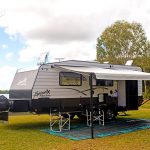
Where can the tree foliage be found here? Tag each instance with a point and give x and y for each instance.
(123, 41)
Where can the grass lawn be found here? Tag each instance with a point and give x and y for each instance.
(23, 133)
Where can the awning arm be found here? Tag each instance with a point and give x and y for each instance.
(91, 104)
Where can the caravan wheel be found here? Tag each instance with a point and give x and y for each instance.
(109, 114)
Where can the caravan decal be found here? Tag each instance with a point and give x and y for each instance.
(42, 93)
(22, 82)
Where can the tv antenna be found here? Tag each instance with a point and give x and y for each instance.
(43, 58)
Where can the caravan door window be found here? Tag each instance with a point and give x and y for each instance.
(70, 79)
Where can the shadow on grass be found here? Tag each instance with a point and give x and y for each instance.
(30, 125)
(124, 115)
(27, 126)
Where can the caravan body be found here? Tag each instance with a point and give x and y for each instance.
(58, 86)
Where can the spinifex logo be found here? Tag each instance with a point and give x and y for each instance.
(22, 82)
(42, 93)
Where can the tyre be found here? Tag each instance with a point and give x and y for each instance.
(109, 114)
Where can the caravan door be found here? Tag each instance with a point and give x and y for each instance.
(132, 94)
(128, 94)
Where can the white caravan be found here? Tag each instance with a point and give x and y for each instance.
(65, 86)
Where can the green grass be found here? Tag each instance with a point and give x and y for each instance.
(146, 105)
(23, 133)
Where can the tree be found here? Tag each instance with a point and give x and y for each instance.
(144, 63)
(122, 41)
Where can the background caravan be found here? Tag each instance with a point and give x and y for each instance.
(65, 86)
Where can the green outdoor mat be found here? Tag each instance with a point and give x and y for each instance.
(120, 126)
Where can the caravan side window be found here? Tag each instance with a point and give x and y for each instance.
(70, 79)
(100, 82)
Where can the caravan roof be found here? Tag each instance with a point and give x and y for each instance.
(79, 63)
(28, 69)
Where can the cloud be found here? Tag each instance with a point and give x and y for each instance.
(32, 50)
(67, 27)
(9, 56)
(72, 50)
(6, 76)
(4, 46)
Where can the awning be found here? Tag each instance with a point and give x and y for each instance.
(109, 74)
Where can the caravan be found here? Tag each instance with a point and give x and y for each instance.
(68, 87)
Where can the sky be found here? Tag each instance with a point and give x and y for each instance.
(65, 28)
